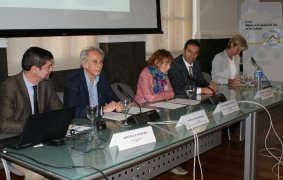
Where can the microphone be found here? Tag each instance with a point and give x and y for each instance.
(215, 98)
(142, 117)
(127, 95)
(254, 63)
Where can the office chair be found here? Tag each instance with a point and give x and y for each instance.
(6, 168)
(126, 87)
(9, 169)
(60, 95)
(207, 76)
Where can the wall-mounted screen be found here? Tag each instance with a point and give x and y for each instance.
(21, 18)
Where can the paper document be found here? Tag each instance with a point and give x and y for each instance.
(115, 116)
(167, 105)
(184, 101)
(136, 110)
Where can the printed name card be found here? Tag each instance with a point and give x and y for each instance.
(132, 138)
(227, 107)
(119, 156)
(264, 94)
(193, 120)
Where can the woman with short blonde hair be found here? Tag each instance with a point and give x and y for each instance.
(226, 65)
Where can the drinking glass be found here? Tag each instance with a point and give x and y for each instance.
(126, 107)
(244, 79)
(92, 113)
(190, 90)
(251, 81)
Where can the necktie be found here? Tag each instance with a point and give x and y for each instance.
(35, 103)
(191, 71)
(91, 94)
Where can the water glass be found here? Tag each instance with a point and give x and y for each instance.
(190, 90)
(126, 103)
(92, 114)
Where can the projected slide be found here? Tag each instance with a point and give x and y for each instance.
(97, 5)
(78, 17)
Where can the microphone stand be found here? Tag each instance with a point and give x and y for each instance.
(142, 117)
(127, 95)
(215, 98)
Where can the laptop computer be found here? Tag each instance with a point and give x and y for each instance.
(41, 128)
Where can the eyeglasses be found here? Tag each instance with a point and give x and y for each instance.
(96, 61)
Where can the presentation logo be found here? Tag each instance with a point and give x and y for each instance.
(272, 38)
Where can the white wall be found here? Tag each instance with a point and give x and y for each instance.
(213, 19)
(65, 50)
(216, 18)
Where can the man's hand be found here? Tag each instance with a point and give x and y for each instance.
(113, 106)
(212, 88)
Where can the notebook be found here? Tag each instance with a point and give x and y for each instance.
(40, 128)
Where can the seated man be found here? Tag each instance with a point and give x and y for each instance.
(89, 85)
(27, 93)
(186, 70)
(17, 92)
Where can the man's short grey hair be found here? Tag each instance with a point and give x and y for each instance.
(84, 53)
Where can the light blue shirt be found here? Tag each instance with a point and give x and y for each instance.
(92, 90)
(30, 91)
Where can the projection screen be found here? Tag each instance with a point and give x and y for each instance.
(20, 18)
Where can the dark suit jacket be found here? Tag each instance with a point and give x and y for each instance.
(179, 76)
(76, 92)
(15, 103)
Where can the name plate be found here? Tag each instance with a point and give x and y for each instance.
(193, 120)
(132, 138)
(227, 107)
(119, 156)
(264, 94)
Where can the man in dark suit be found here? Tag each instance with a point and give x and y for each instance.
(17, 92)
(89, 85)
(186, 70)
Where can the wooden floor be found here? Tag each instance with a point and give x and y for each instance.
(227, 160)
(221, 163)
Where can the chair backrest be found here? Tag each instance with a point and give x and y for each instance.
(126, 87)
(60, 95)
(207, 76)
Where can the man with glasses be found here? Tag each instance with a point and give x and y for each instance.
(90, 86)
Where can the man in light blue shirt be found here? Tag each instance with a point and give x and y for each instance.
(90, 86)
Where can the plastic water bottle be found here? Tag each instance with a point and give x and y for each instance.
(258, 78)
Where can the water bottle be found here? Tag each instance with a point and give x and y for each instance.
(258, 78)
